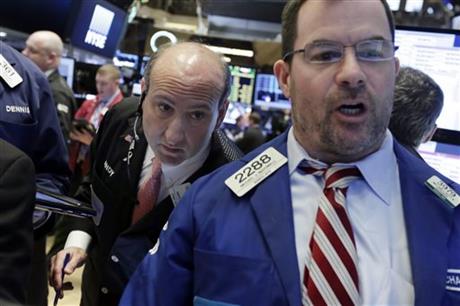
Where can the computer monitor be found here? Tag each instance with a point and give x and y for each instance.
(66, 69)
(240, 98)
(268, 95)
(98, 27)
(243, 79)
(437, 53)
(443, 157)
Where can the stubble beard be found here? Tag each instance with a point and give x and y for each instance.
(337, 143)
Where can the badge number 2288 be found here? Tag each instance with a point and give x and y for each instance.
(255, 171)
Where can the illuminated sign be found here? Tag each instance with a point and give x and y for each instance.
(99, 27)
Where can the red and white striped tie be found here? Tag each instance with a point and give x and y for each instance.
(331, 276)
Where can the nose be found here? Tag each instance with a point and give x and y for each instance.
(350, 73)
(24, 51)
(175, 131)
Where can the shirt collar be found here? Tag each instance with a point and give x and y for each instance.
(379, 169)
(177, 174)
(107, 101)
(49, 72)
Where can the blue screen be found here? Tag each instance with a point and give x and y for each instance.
(98, 27)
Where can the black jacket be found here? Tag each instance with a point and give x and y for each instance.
(119, 246)
(65, 102)
(17, 195)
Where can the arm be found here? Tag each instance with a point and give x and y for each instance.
(65, 105)
(50, 152)
(17, 195)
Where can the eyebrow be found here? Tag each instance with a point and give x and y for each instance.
(195, 105)
(319, 41)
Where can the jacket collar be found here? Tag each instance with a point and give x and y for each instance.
(428, 222)
(273, 211)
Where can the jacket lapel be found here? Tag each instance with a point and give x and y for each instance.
(271, 204)
(428, 223)
(136, 159)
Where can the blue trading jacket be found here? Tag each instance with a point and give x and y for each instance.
(28, 120)
(219, 249)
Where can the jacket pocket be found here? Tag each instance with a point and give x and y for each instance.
(236, 280)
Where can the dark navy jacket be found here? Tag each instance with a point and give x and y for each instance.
(28, 120)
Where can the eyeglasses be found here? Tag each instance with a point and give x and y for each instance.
(328, 52)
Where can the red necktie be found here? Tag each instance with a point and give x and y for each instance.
(331, 276)
(148, 193)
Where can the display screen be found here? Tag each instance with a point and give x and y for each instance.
(240, 99)
(437, 53)
(243, 79)
(268, 94)
(443, 157)
(98, 27)
(31, 15)
(66, 69)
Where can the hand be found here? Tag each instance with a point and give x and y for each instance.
(82, 136)
(77, 259)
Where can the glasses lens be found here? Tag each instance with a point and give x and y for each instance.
(323, 52)
(374, 50)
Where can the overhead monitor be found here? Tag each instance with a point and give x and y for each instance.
(31, 15)
(437, 53)
(66, 69)
(243, 79)
(98, 27)
(240, 98)
(268, 94)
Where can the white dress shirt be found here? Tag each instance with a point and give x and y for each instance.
(172, 176)
(374, 206)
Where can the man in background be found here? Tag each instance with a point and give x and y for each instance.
(45, 48)
(253, 135)
(418, 102)
(90, 115)
(331, 212)
(28, 120)
(17, 196)
(144, 157)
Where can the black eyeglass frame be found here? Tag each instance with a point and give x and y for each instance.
(291, 53)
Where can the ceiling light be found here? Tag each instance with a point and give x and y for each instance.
(232, 51)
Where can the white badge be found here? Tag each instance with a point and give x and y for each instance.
(255, 171)
(177, 192)
(443, 191)
(7, 72)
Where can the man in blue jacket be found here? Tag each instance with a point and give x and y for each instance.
(332, 212)
(28, 120)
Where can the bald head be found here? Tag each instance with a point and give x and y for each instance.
(190, 59)
(44, 48)
(184, 101)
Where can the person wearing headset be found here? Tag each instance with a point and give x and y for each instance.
(184, 101)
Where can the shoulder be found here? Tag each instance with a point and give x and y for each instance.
(127, 108)
(212, 186)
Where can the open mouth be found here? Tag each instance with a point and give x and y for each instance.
(352, 109)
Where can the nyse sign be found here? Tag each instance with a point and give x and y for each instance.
(99, 27)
